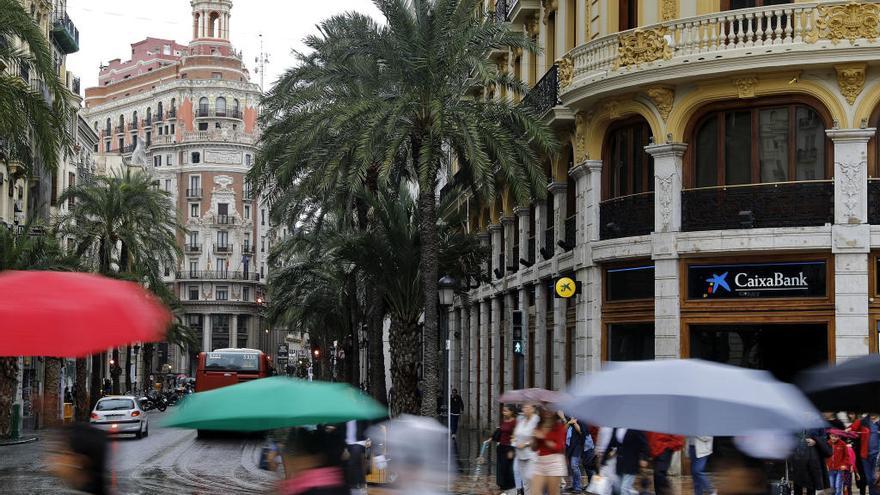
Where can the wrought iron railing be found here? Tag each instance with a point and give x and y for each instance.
(545, 94)
(501, 11)
(626, 216)
(248, 248)
(217, 275)
(223, 248)
(194, 193)
(758, 206)
(192, 248)
(224, 219)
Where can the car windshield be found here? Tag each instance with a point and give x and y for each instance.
(232, 361)
(115, 405)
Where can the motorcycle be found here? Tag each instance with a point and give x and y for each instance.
(154, 400)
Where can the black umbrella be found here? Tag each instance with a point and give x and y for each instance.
(853, 385)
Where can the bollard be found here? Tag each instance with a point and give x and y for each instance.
(15, 428)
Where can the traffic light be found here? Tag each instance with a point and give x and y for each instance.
(316, 351)
(517, 332)
(112, 362)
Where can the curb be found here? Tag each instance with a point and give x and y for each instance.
(18, 442)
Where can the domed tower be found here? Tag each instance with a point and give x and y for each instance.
(211, 20)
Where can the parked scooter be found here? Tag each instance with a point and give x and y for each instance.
(153, 400)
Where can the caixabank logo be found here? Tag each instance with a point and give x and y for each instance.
(716, 283)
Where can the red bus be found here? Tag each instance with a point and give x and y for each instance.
(224, 367)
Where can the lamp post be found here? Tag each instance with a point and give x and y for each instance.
(446, 291)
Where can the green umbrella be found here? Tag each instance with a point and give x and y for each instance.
(276, 402)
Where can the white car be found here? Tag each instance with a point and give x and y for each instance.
(120, 414)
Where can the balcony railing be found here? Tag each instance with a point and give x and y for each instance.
(119, 129)
(758, 206)
(217, 275)
(148, 122)
(626, 216)
(247, 195)
(222, 248)
(133, 126)
(211, 112)
(545, 94)
(165, 139)
(172, 114)
(224, 219)
(129, 148)
(194, 193)
(501, 10)
(219, 136)
(65, 34)
(159, 116)
(192, 248)
(235, 114)
(203, 112)
(725, 35)
(248, 248)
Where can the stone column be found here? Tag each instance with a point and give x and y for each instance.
(507, 349)
(464, 349)
(667, 222)
(541, 296)
(540, 227)
(851, 241)
(582, 354)
(524, 308)
(510, 232)
(522, 216)
(560, 322)
(594, 198)
(495, 232)
(233, 330)
(558, 190)
(496, 367)
(206, 333)
(485, 365)
(473, 367)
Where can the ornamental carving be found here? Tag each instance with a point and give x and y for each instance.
(745, 86)
(851, 80)
(581, 123)
(669, 10)
(550, 6)
(845, 22)
(851, 184)
(662, 97)
(664, 199)
(223, 157)
(642, 46)
(610, 108)
(566, 71)
(532, 27)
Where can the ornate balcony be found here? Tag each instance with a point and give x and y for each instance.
(219, 137)
(626, 216)
(217, 275)
(194, 193)
(758, 206)
(192, 248)
(248, 248)
(65, 34)
(743, 39)
(501, 10)
(545, 94)
(224, 220)
(223, 249)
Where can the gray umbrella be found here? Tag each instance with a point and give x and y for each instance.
(689, 397)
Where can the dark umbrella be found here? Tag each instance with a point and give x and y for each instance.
(853, 385)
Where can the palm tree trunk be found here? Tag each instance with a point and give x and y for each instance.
(115, 371)
(147, 365)
(428, 233)
(128, 387)
(82, 391)
(375, 347)
(95, 385)
(404, 369)
(8, 386)
(51, 392)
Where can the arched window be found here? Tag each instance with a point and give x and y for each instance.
(236, 109)
(627, 167)
(159, 115)
(777, 141)
(134, 119)
(149, 115)
(214, 25)
(203, 107)
(220, 106)
(109, 126)
(121, 123)
(96, 126)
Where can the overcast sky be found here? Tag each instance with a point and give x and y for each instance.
(107, 29)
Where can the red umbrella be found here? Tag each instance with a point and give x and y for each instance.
(842, 433)
(66, 314)
(532, 395)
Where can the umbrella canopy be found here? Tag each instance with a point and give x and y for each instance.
(274, 402)
(67, 314)
(853, 385)
(690, 397)
(532, 395)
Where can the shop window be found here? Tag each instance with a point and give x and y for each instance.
(630, 341)
(760, 144)
(628, 168)
(628, 283)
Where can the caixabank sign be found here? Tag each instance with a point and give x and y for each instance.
(757, 280)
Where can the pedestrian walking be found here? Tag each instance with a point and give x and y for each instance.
(808, 470)
(81, 459)
(840, 465)
(868, 428)
(456, 407)
(574, 449)
(859, 475)
(699, 450)
(630, 450)
(312, 465)
(356, 443)
(550, 465)
(662, 447)
(504, 450)
(588, 457)
(523, 440)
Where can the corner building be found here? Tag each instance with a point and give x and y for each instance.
(716, 194)
(188, 115)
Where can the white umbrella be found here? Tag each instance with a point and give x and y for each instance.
(690, 397)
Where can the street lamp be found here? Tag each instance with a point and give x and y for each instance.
(446, 291)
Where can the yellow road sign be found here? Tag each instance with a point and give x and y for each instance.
(566, 287)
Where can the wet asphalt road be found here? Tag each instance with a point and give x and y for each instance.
(168, 461)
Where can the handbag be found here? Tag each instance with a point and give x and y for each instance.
(599, 485)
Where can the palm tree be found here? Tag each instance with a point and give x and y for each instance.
(30, 248)
(402, 95)
(124, 227)
(33, 126)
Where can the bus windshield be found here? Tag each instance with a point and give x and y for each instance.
(223, 361)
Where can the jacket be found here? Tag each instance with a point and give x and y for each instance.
(840, 457)
(661, 442)
(630, 452)
(702, 446)
(860, 426)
